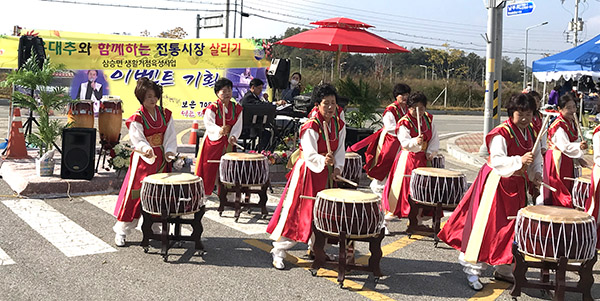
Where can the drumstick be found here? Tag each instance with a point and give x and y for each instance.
(213, 161)
(549, 187)
(326, 137)
(578, 126)
(418, 121)
(347, 181)
(308, 197)
(541, 133)
(511, 217)
(137, 151)
(237, 145)
(570, 179)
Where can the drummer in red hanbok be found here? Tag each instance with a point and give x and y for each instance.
(417, 148)
(380, 154)
(565, 152)
(315, 170)
(480, 227)
(152, 132)
(592, 204)
(223, 124)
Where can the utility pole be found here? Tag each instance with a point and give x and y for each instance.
(227, 19)
(491, 103)
(446, 89)
(576, 25)
(242, 16)
(498, 68)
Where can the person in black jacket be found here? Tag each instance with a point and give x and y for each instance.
(254, 95)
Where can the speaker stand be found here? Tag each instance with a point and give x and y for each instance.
(105, 148)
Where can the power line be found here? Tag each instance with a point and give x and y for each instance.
(132, 6)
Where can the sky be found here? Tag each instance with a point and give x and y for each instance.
(411, 24)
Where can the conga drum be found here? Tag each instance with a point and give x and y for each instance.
(431, 186)
(354, 212)
(581, 191)
(352, 167)
(244, 169)
(549, 232)
(110, 119)
(81, 114)
(172, 193)
(438, 161)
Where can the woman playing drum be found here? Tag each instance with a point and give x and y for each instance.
(321, 160)
(564, 150)
(592, 204)
(152, 132)
(380, 154)
(223, 123)
(479, 226)
(418, 146)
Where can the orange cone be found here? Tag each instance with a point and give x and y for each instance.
(16, 148)
(194, 133)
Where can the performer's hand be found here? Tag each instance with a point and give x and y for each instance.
(420, 139)
(336, 172)
(527, 158)
(149, 153)
(429, 156)
(232, 140)
(225, 130)
(582, 162)
(583, 145)
(170, 156)
(329, 160)
(544, 151)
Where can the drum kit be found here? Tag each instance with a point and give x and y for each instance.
(561, 239)
(244, 174)
(165, 198)
(348, 216)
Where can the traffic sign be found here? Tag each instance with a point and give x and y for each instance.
(522, 8)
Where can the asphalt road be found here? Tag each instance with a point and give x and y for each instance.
(236, 266)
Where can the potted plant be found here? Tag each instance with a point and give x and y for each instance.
(40, 97)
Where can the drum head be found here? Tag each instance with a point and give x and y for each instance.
(555, 214)
(347, 195)
(243, 156)
(585, 179)
(437, 172)
(352, 155)
(171, 178)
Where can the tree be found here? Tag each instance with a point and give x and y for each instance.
(175, 33)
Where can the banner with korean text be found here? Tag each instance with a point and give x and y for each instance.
(111, 64)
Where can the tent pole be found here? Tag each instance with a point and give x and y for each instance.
(338, 55)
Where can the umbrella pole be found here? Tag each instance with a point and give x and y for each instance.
(337, 60)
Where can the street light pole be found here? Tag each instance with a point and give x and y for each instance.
(341, 65)
(299, 58)
(526, 49)
(425, 70)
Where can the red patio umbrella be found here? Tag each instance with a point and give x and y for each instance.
(341, 35)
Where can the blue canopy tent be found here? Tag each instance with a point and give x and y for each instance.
(570, 64)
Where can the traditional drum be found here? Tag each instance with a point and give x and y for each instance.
(438, 161)
(550, 232)
(81, 114)
(352, 167)
(244, 169)
(175, 193)
(581, 191)
(110, 118)
(356, 213)
(435, 185)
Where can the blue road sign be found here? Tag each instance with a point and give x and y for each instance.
(522, 8)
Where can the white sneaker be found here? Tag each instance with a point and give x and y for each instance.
(389, 216)
(474, 283)
(278, 262)
(119, 240)
(386, 230)
(156, 228)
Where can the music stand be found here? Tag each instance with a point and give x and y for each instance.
(256, 117)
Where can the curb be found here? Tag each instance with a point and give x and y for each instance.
(460, 154)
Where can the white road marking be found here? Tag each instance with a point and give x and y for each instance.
(5, 259)
(68, 237)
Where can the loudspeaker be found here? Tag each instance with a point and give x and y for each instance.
(27, 45)
(279, 73)
(78, 153)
